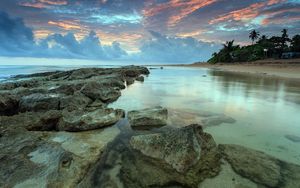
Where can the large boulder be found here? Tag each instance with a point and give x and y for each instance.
(148, 118)
(173, 157)
(40, 102)
(95, 90)
(8, 104)
(181, 148)
(83, 120)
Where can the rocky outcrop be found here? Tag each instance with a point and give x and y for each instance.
(181, 148)
(95, 90)
(171, 157)
(8, 104)
(148, 118)
(84, 120)
(38, 115)
(40, 102)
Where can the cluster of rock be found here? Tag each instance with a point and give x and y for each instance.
(37, 109)
(39, 148)
(73, 100)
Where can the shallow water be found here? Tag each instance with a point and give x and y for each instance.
(265, 109)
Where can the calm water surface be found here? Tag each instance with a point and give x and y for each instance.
(265, 109)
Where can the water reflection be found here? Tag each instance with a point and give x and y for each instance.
(251, 110)
(260, 86)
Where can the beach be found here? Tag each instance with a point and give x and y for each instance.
(288, 68)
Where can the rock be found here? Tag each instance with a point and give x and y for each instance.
(148, 118)
(9, 105)
(67, 89)
(180, 148)
(134, 71)
(150, 160)
(95, 90)
(74, 102)
(50, 159)
(184, 156)
(40, 102)
(292, 138)
(252, 164)
(260, 167)
(82, 120)
(140, 78)
(217, 120)
(47, 122)
(129, 81)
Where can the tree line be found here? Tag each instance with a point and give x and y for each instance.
(262, 47)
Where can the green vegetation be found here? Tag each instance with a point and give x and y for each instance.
(264, 47)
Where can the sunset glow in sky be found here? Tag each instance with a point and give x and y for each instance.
(136, 29)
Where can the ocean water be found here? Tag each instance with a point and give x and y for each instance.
(265, 109)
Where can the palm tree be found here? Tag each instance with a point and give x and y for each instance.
(253, 35)
(284, 38)
(228, 46)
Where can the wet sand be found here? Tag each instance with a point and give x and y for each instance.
(279, 68)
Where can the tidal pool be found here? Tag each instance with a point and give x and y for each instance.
(261, 111)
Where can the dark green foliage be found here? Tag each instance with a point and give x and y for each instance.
(264, 48)
(295, 43)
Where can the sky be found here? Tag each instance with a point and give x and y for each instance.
(182, 31)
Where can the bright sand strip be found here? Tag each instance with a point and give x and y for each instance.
(281, 68)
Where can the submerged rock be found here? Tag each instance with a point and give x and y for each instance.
(260, 167)
(292, 138)
(82, 120)
(217, 120)
(148, 118)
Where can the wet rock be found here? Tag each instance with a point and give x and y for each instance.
(260, 167)
(67, 89)
(134, 71)
(82, 120)
(8, 104)
(40, 102)
(148, 118)
(181, 148)
(129, 81)
(47, 122)
(217, 120)
(95, 90)
(191, 153)
(150, 160)
(140, 78)
(292, 138)
(252, 164)
(74, 102)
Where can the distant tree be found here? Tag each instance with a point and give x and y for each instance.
(295, 43)
(284, 38)
(253, 35)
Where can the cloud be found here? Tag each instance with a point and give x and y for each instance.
(18, 40)
(162, 48)
(15, 37)
(183, 9)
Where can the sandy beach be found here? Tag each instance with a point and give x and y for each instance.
(279, 68)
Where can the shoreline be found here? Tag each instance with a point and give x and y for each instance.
(271, 68)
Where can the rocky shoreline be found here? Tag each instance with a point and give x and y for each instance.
(56, 130)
